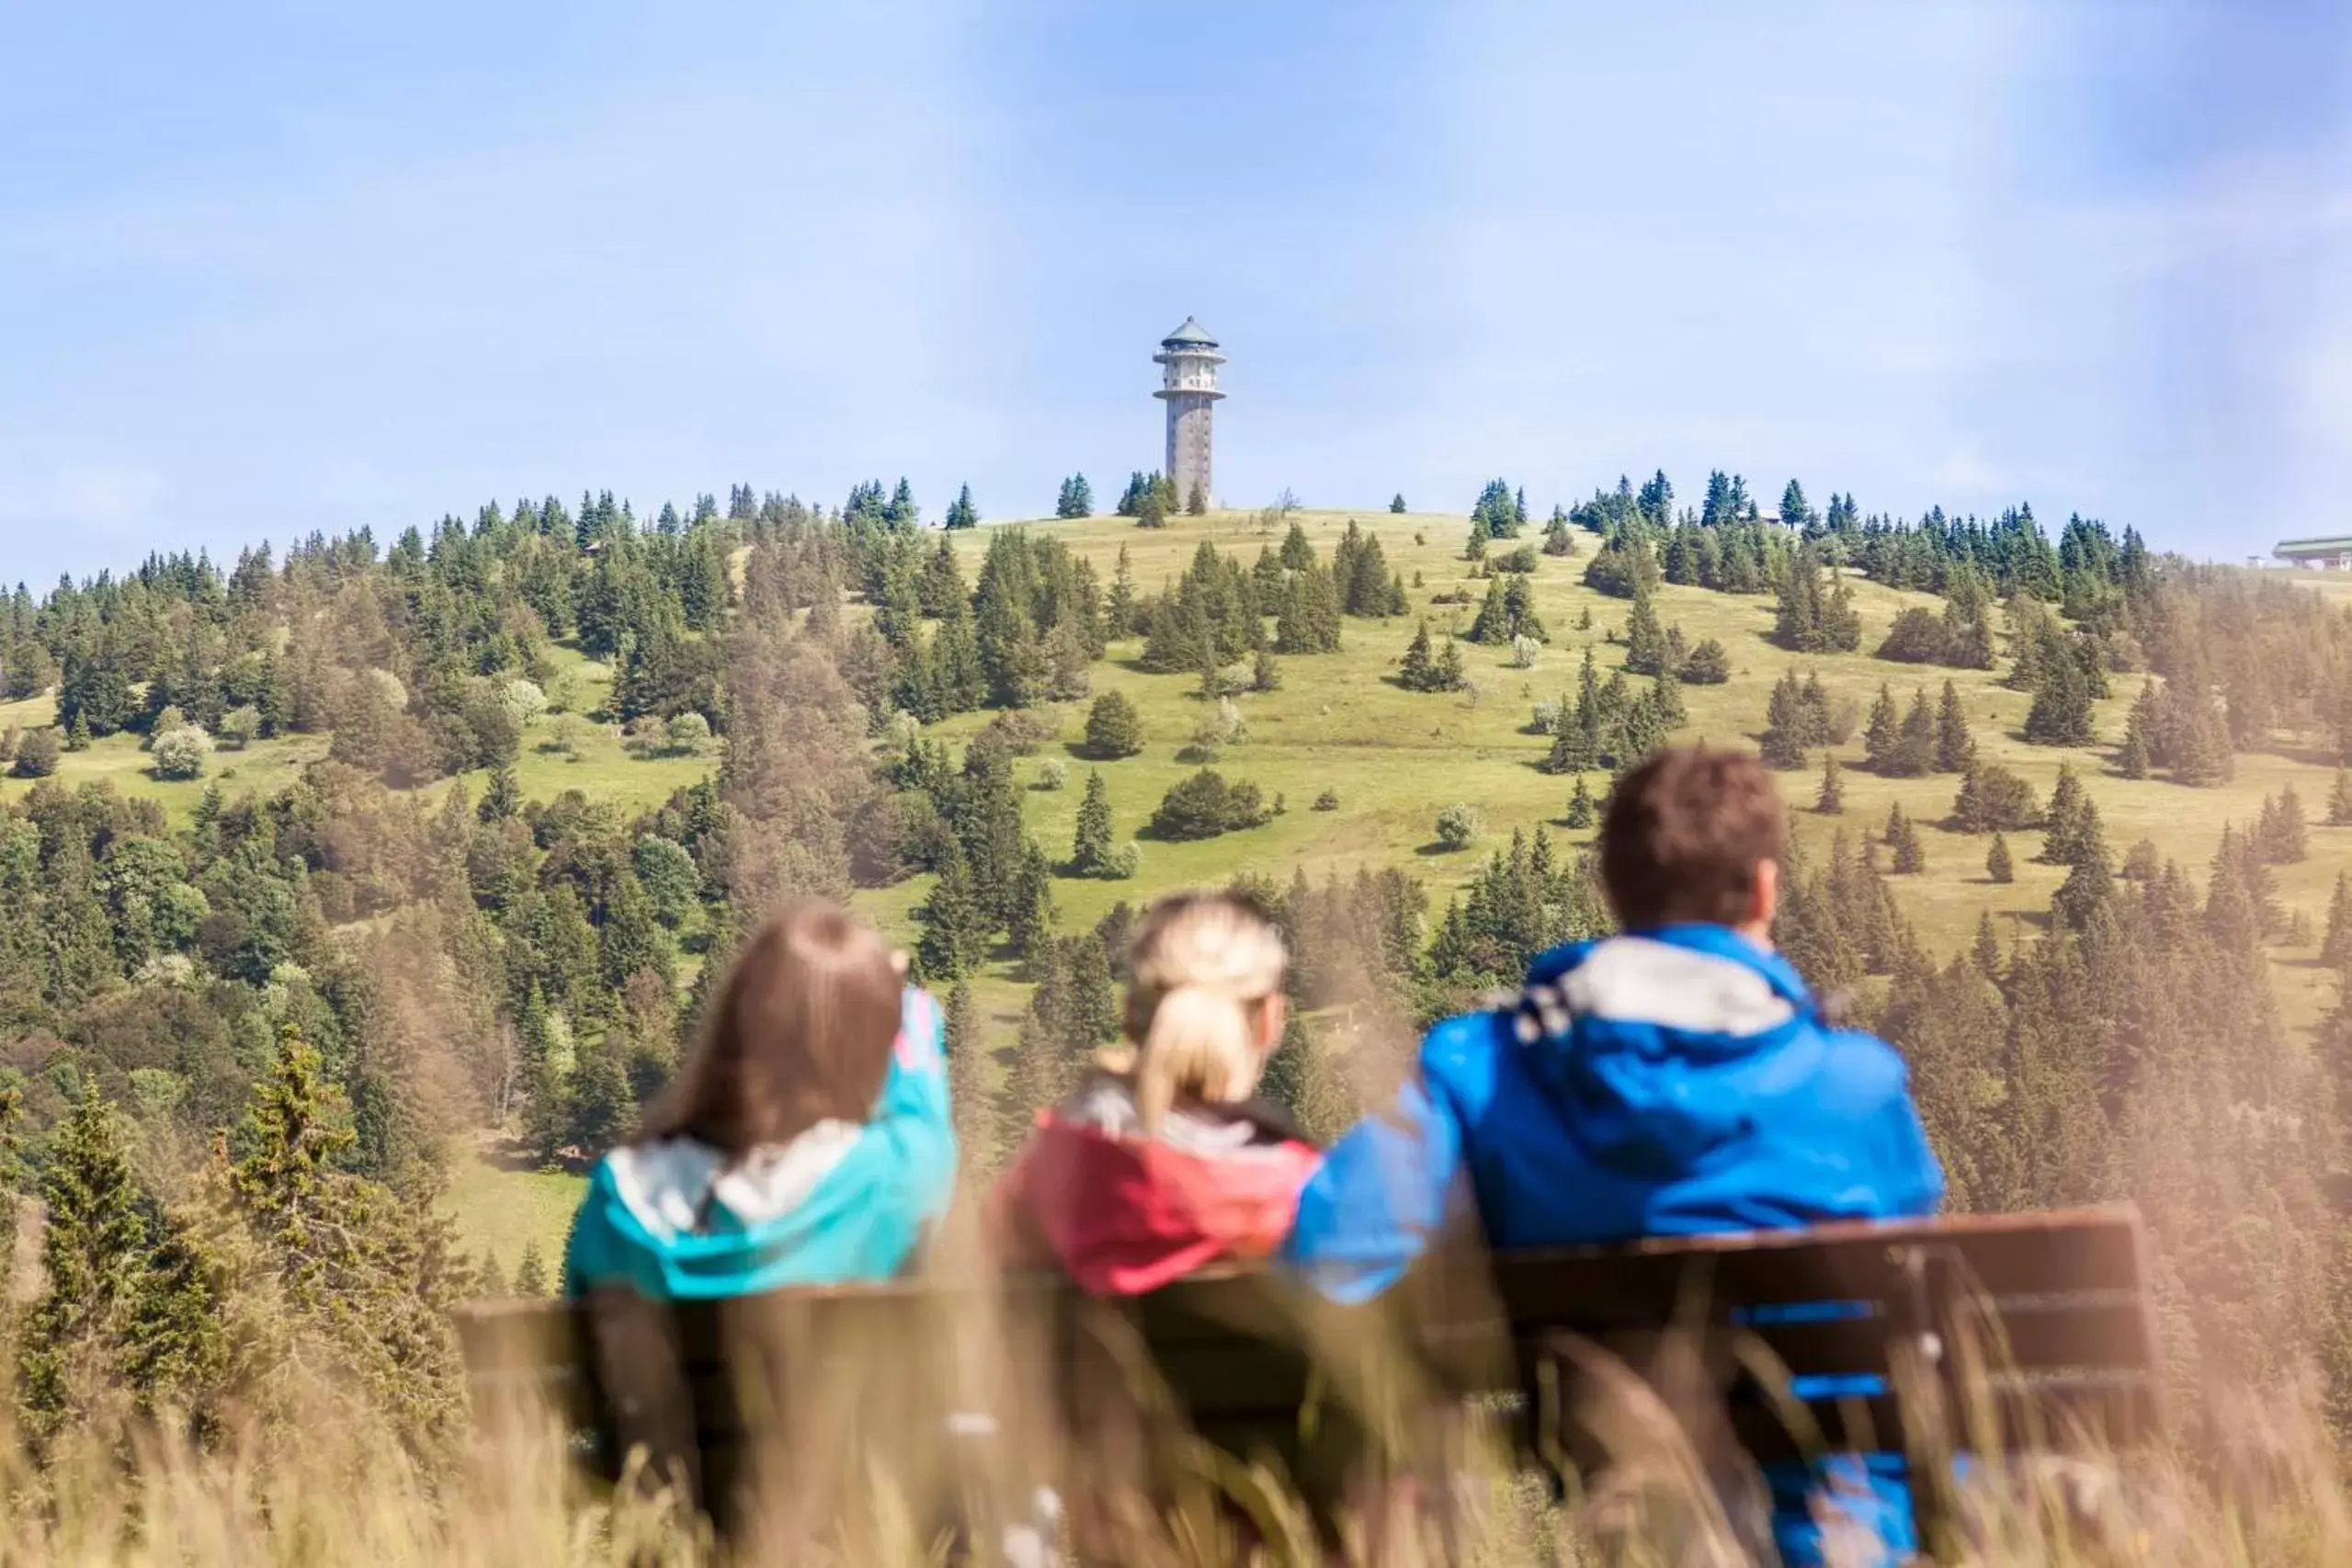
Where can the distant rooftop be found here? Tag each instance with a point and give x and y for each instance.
(2290, 547)
(1191, 334)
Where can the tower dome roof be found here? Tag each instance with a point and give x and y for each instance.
(1191, 334)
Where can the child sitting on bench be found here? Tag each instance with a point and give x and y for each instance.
(1160, 1162)
(1675, 1079)
(807, 1142)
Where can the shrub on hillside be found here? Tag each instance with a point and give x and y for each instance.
(37, 754)
(1706, 664)
(523, 699)
(1019, 731)
(1917, 637)
(239, 726)
(180, 752)
(688, 734)
(1457, 826)
(1114, 729)
(1206, 805)
(1993, 800)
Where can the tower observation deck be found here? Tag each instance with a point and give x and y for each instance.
(1189, 386)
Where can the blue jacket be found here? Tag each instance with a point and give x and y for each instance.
(1682, 1081)
(843, 1202)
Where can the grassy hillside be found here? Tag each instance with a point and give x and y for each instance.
(1396, 757)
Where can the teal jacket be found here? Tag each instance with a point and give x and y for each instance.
(843, 1202)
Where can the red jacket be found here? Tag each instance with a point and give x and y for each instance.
(1123, 1214)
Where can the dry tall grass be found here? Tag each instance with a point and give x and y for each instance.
(329, 1487)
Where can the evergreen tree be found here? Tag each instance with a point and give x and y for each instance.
(1197, 502)
(2137, 758)
(2091, 883)
(2335, 947)
(1264, 675)
(1882, 737)
(1418, 669)
(2070, 809)
(1645, 639)
(1831, 800)
(1910, 855)
(1028, 902)
(1581, 808)
(93, 1262)
(1091, 848)
(1114, 727)
(2339, 800)
(956, 924)
(1997, 864)
(2284, 837)
(503, 797)
(1915, 751)
(2060, 715)
(602, 1101)
(1954, 747)
(1396, 503)
(530, 1275)
(970, 1093)
(1985, 951)
(962, 513)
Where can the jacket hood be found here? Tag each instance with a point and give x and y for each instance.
(1122, 1213)
(1660, 1044)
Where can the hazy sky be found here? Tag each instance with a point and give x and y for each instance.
(265, 269)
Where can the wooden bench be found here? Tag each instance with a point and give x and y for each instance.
(1987, 1334)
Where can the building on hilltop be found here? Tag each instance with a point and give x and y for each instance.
(2333, 554)
(1189, 386)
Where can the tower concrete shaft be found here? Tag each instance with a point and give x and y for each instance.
(1189, 386)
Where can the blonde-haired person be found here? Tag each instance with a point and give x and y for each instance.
(807, 1142)
(1160, 1163)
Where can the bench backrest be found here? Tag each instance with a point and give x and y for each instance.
(2026, 1331)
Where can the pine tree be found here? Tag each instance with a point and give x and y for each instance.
(2335, 947)
(956, 925)
(962, 513)
(2339, 800)
(1581, 805)
(2091, 883)
(2060, 715)
(1264, 674)
(2063, 831)
(1954, 747)
(2137, 757)
(1910, 855)
(2284, 837)
(503, 798)
(530, 1275)
(1985, 951)
(1028, 902)
(1831, 800)
(1396, 503)
(1645, 639)
(970, 1097)
(1197, 502)
(1997, 864)
(1882, 737)
(1915, 752)
(1114, 727)
(1418, 669)
(94, 1261)
(1091, 847)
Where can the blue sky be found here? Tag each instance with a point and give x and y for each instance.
(265, 269)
